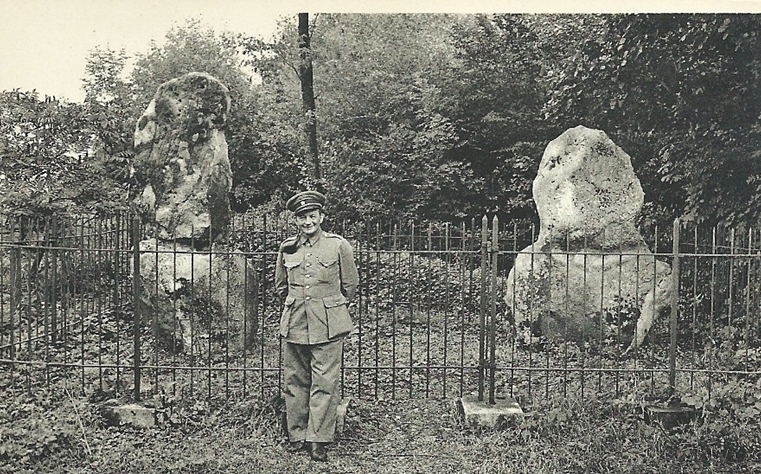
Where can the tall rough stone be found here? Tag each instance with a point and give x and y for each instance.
(589, 269)
(192, 289)
(181, 159)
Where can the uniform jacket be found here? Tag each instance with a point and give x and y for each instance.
(318, 278)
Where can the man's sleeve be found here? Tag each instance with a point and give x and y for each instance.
(349, 273)
(281, 276)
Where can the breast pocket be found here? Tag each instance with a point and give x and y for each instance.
(291, 263)
(327, 270)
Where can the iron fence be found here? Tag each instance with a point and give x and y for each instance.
(432, 315)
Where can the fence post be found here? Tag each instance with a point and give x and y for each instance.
(493, 307)
(482, 316)
(674, 307)
(15, 296)
(136, 300)
(54, 290)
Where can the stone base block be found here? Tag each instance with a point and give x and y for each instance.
(130, 414)
(484, 414)
(670, 417)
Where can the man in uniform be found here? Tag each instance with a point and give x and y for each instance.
(316, 274)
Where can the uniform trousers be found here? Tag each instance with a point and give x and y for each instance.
(311, 378)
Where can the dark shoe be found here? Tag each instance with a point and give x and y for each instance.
(295, 446)
(317, 452)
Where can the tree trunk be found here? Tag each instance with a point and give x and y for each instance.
(307, 92)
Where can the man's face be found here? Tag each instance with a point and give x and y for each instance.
(309, 222)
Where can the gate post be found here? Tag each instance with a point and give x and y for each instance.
(674, 307)
(136, 301)
(494, 412)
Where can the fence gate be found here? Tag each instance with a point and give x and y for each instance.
(522, 361)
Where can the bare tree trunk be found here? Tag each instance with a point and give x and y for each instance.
(307, 92)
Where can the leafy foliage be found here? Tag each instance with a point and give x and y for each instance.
(439, 116)
(738, 397)
(28, 434)
(677, 92)
(46, 162)
(383, 143)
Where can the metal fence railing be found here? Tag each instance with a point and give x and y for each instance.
(433, 316)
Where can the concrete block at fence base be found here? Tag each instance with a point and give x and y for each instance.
(487, 415)
(669, 417)
(130, 414)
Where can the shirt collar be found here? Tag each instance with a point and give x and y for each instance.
(303, 240)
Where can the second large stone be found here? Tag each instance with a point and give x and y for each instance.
(589, 272)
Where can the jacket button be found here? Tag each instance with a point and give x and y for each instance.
(308, 298)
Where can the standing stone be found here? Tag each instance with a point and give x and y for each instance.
(192, 289)
(589, 267)
(181, 159)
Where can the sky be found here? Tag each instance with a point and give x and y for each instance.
(44, 44)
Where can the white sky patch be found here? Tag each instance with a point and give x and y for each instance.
(45, 43)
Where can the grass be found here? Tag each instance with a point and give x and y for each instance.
(55, 432)
(57, 427)
(585, 412)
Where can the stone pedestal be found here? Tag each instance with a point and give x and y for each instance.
(187, 297)
(486, 415)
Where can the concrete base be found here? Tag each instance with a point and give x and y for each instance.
(670, 417)
(130, 414)
(483, 414)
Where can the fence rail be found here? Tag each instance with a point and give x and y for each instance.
(432, 312)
